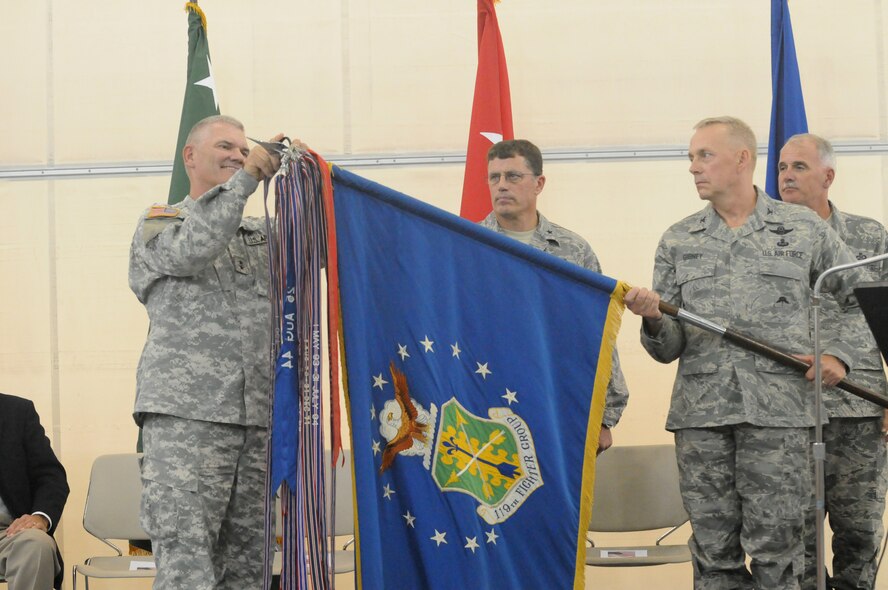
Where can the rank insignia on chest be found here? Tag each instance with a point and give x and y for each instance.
(162, 211)
(861, 256)
(241, 266)
(254, 238)
(780, 231)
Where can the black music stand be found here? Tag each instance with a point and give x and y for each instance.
(873, 299)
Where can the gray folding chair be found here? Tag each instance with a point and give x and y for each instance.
(344, 521)
(636, 489)
(112, 512)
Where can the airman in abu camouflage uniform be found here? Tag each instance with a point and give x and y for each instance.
(202, 382)
(518, 166)
(854, 466)
(740, 420)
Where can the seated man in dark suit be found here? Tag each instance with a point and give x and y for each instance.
(33, 490)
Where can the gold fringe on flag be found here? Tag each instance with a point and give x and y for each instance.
(593, 429)
(193, 7)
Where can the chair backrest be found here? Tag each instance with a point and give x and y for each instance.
(114, 498)
(636, 489)
(344, 522)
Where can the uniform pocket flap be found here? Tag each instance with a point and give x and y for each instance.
(693, 269)
(698, 365)
(169, 474)
(765, 365)
(781, 268)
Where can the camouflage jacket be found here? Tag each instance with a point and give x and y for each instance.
(756, 279)
(866, 237)
(202, 273)
(565, 244)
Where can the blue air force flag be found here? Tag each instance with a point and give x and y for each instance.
(476, 370)
(787, 103)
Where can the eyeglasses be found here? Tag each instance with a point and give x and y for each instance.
(511, 177)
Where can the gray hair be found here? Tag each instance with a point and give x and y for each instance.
(206, 122)
(824, 147)
(737, 129)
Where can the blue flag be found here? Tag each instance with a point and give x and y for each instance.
(285, 410)
(476, 370)
(787, 105)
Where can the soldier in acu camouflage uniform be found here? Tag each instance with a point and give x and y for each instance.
(854, 437)
(740, 420)
(202, 273)
(515, 175)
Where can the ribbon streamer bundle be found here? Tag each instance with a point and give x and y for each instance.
(298, 251)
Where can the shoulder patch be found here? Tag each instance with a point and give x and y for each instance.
(157, 211)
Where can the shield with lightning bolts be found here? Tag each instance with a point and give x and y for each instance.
(492, 460)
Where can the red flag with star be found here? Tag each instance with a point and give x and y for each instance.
(491, 113)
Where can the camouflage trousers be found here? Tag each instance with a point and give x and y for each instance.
(203, 503)
(855, 486)
(745, 488)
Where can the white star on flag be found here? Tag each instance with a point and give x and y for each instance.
(375, 447)
(388, 492)
(483, 370)
(455, 348)
(472, 543)
(427, 344)
(402, 351)
(492, 536)
(510, 396)
(439, 538)
(410, 519)
(373, 412)
(210, 82)
(378, 381)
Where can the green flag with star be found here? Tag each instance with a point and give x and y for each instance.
(200, 95)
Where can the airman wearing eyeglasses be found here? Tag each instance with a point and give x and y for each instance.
(515, 176)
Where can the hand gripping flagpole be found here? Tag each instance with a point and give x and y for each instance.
(818, 447)
(763, 348)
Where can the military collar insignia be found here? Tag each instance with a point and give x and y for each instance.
(701, 225)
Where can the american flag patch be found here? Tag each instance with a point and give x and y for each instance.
(162, 211)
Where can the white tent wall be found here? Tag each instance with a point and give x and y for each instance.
(98, 83)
